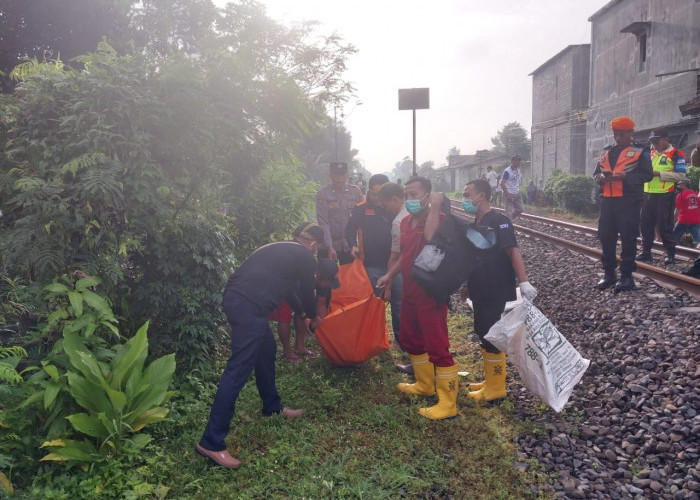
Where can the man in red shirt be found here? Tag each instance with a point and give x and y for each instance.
(687, 212)
(423, 329)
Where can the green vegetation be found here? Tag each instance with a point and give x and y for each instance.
(574, 193)
(189, 137)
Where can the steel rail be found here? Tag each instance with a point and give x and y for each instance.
(676, 280)
(681, 251)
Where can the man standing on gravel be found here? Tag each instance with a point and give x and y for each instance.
(668, 164)
(510, 183)
(492, 282)
(621, 173)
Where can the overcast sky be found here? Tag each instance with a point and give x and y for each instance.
(474, 55)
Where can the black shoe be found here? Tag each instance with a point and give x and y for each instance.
(407, 369)
(692, 272)
(670, 259)
(607, 281)
(643, 257)
(625, 284)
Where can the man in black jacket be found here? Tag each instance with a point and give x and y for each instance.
(273, 273)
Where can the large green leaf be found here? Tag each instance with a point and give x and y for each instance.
(154, 385)
(37, 396)
(150, 416)
(89, 395)
(81, 358)
(52, 371)
(90, 426)
(76, 301)
(130, 358)
(50, 392)
(56, 288)
(80, 451)
(85, 283)
(99, 304)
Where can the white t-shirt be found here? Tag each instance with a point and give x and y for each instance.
(512, 176)
(396, 230)
(492, 177)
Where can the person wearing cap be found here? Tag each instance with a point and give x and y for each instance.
(668, 164)
(687, 212)
(621, 173)
(334, 204)
(510, 184)
(273, 273)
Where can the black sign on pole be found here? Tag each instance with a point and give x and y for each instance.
(414, 99)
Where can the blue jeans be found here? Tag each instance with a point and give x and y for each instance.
(374, 274)
(253, 347)
(681, 229)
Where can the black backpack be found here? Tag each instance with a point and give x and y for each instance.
(457, 261)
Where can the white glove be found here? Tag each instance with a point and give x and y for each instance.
(528, 291)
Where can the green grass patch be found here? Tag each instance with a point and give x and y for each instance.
(359, 438)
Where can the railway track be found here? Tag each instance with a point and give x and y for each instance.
(566, 232)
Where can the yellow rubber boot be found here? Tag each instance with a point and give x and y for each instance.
(477, 386)
(446, 380)
(495, 378)
(424, 371)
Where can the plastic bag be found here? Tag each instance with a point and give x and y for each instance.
(430, 258)
(548, 364)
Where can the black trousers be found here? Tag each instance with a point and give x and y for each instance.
(619, 216)
(657, 214)
(486, 314)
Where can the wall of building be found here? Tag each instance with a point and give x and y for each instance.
(559, 97)
(623, 83)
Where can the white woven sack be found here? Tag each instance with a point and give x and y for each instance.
(548, 364)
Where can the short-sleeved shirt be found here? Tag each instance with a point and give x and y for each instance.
(493, 278)
(688, 208)
(396, 230)
(374, 224)
(492, 177)
(333, 209)
(512, 176)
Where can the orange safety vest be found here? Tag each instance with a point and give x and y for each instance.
(627, 160)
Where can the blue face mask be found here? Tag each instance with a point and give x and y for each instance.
(468, 206)
(413, 207)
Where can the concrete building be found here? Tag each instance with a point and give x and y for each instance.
(460, 169)
(559, 103)
(645, 63)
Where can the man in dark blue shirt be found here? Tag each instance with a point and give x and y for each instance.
(273, 273)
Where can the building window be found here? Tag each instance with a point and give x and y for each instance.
(642, 40)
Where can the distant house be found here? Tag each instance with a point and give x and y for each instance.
(645, 63)
(559, 103)
(460, 169)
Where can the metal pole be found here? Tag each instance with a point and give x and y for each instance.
(414, 142)
(335, 126)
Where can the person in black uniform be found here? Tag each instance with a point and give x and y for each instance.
(492, 282)
(621, 173)
(273, 273)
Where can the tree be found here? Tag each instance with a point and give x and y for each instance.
(454, 151)
(511, 140)
(45, 30)
(155, 170)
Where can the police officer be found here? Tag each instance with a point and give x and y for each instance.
(621, 173)
(334, 204)
(668, 164)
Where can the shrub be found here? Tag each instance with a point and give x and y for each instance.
(572, 192)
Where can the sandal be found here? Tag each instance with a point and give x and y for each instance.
(292, 358)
